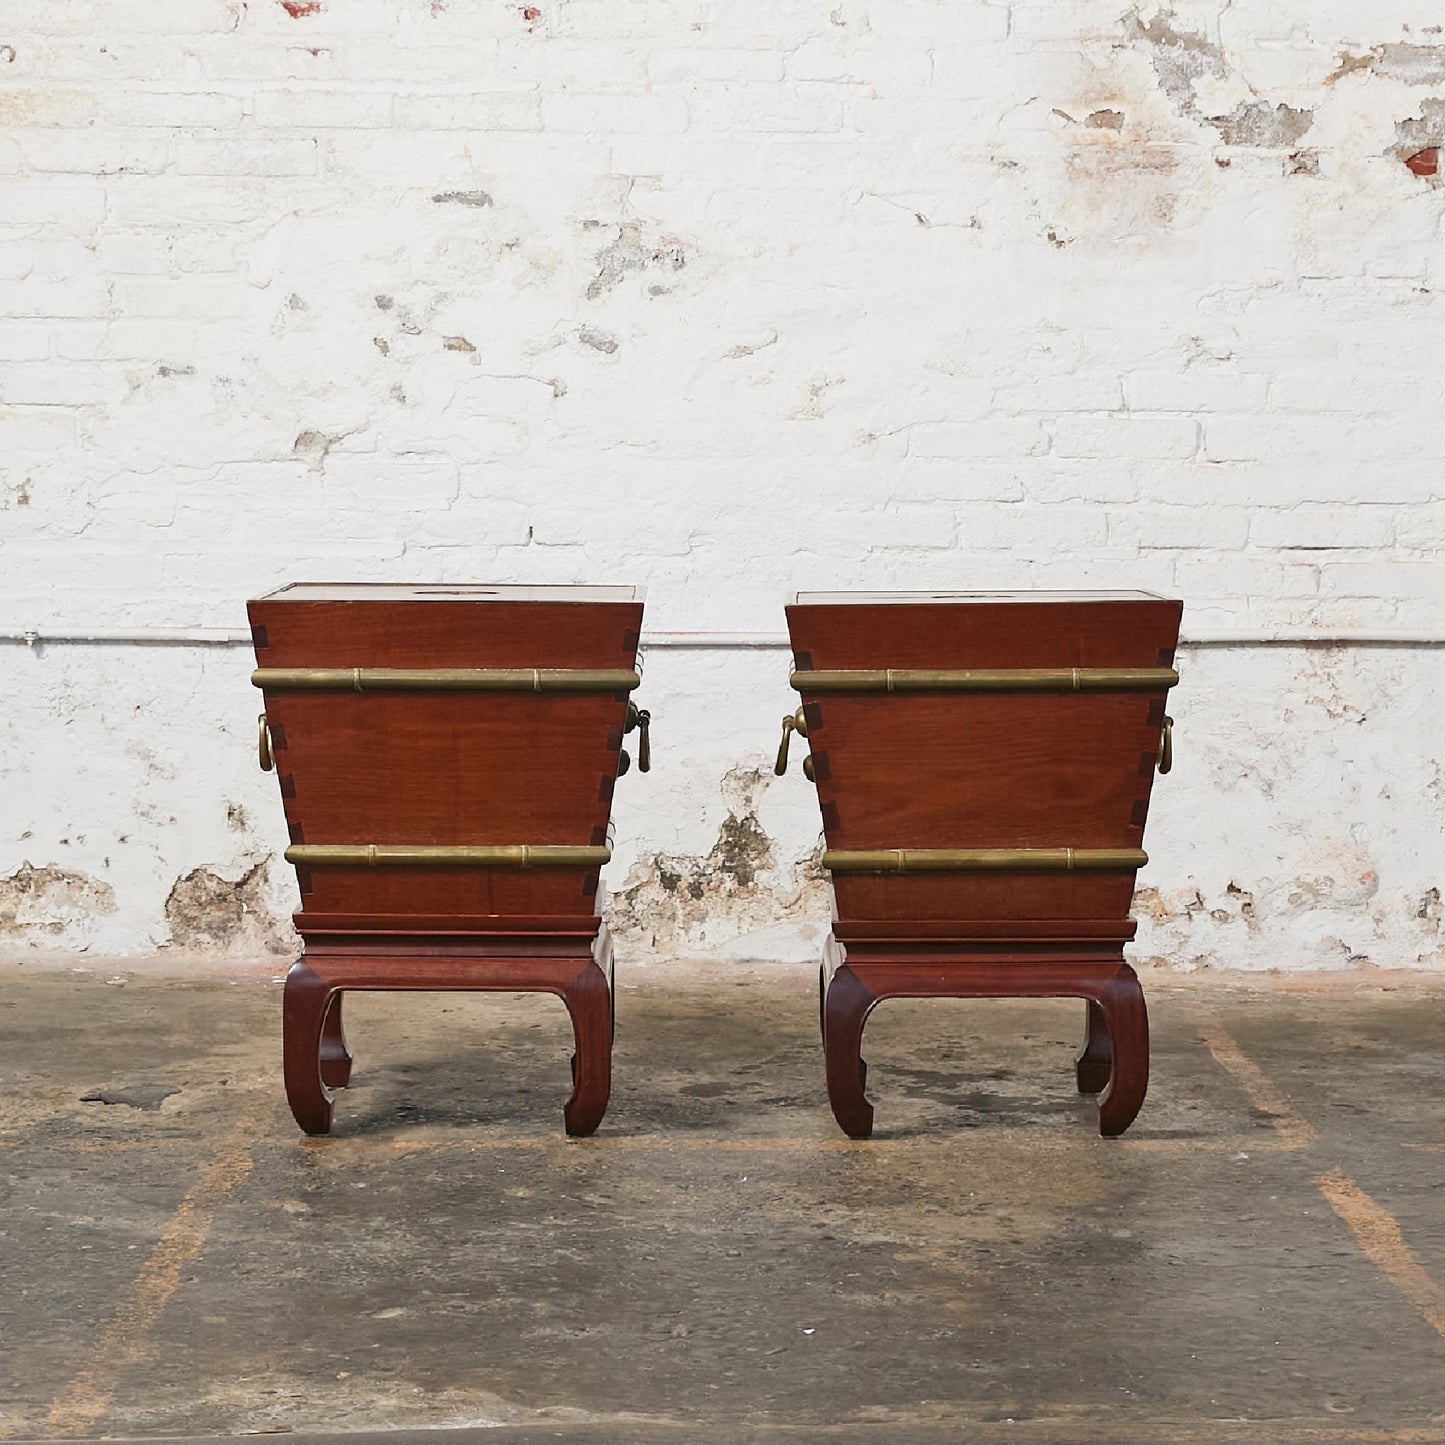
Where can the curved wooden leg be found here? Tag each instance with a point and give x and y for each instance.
(1095, 1060)
(845, 1011)
(304, 1008)
(335, 1060)
(1122, 1003)
(589, 1003)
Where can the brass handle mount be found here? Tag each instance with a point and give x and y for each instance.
(1166, 746)
(264, 755)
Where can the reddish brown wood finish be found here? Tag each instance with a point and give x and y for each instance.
(1115, 1056)
(990, 770)
(440, 768)
(579, 973)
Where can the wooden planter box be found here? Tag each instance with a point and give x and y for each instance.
(983, 764)
(446, 757)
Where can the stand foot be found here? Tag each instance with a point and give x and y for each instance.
(589, 1003)
(305, 1006)
(1121, 1000)
(846, 1006)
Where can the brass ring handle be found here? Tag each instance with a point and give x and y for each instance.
(796, 723)
(644, 740)
(1166, 746)
(781, 765)
(640, 720)
(263, 745)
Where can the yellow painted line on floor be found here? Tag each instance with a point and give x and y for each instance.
(126, 1339)
(1293, 1131)
(1378, 1234)
(1242, 1145)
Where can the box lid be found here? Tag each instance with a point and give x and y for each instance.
(445, 592)
(875, 599)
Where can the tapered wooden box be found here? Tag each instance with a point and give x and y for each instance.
(446, 757)
(984, 764)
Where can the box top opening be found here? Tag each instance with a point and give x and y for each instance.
(963, 599)
(446, 592)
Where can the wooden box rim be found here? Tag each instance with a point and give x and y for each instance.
(477, 593)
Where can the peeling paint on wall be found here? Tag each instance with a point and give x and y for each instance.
(1418, 139)
(1338, 895)
(478, 200)
(598, 340)
(209, 913)
(1257, 123)
(680, 901)
(1408, 63)
(313, 447)
(36, 903)
(631, 250)
(1182, 58)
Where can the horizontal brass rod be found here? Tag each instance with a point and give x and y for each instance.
(985, 860)
(421, 855)
(444, 679)
(1017, 679)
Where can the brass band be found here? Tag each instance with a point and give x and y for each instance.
(1019, 679)
(418, 855)
(444, 679)
(985, 860)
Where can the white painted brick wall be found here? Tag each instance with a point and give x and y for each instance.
(729, 302)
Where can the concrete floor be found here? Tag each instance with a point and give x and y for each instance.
(1260, 1259)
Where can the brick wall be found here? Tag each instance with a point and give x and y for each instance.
(725, 300)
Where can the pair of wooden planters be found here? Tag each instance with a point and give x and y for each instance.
(983, 763)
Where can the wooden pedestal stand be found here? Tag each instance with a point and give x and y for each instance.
(1114, 1061)
(577, 967)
